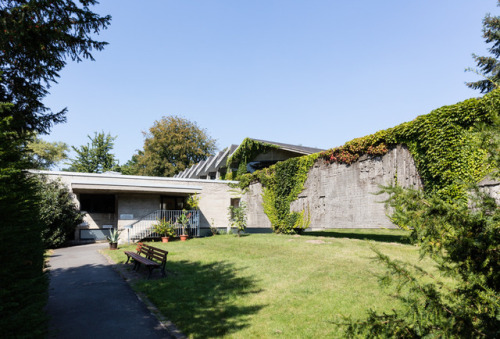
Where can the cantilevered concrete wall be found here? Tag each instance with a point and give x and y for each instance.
(342, 196)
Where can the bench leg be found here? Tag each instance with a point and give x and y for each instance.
(151, 268)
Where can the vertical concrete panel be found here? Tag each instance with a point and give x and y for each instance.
(343, 196)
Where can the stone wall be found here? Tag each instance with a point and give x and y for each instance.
(342, 196)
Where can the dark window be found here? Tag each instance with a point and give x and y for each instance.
(211, 175)
(97, 203)
(235, 202)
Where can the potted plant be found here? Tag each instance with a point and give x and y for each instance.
(165, 229)
(113, 237)
(183, 220)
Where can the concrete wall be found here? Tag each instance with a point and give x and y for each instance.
(341, 196)
(138, 196)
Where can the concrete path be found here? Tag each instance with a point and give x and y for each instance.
(88, 299)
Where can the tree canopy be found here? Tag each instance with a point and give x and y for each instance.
(37, 38)
(44, 154)
(489, 66)
(96, 156)
(172, 145)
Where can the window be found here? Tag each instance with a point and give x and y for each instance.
(97, 203)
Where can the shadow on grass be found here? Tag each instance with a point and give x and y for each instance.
(403, 239)
(203, 299)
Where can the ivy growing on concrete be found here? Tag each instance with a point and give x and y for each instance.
(444, 144)
(246, 152)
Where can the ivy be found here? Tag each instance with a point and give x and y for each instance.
(246, 152)
(443, 143)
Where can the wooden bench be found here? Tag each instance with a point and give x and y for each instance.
(149, 256)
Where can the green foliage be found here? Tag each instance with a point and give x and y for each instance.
(95, 157)
(44, 155)
(464, 241)
(443, 144)
(172, 145)
(246, 152)
(193, 202)
(282, 184)
(58, 213)
(164, 228)
(114, 236)
(23, 291)
(37, 38)
(489, 67)
(183, 220)
(465, 244)
(238, 217)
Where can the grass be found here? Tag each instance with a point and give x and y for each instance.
(273, 285)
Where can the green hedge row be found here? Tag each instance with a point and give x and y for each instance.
(24, 286)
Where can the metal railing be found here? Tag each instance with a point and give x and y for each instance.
(144, 228)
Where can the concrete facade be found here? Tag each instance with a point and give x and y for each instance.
(342, 196)
(137, 196)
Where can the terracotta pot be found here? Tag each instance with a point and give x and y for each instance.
(184, 237)
(165, 239)
(113, 245)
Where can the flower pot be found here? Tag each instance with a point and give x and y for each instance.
(113, 245)
(184, 237)
(165, 239)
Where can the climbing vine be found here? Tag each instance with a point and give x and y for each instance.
(246, 152)
(443, 143)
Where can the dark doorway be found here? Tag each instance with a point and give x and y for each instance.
(169, 202)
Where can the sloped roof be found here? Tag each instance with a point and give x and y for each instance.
(294, 148)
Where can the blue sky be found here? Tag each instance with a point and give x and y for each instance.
(316, 73)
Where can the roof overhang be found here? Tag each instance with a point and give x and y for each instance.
(84, 187)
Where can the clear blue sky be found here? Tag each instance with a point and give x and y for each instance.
(316, 73)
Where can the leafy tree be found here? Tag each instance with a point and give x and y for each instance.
(37, 38)
(172, 145)
(58, 213)
(44, 155)
(489, 66)
(464, 241)
(131, 167)
(95, 157)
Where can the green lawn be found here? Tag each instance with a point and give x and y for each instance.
(261, 286)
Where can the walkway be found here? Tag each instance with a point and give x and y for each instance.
(88, 299)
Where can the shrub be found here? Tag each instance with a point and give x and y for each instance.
(58, 213)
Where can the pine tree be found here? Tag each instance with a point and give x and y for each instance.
(488, 66)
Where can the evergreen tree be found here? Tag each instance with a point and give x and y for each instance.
(37, 38)
(489, 66)
(95, 157)
(464, 241)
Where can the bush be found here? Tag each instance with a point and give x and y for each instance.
(58, 213)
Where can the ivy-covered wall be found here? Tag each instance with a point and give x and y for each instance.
(443, 144)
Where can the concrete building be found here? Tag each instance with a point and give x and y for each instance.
(216, 166)
(114, 201)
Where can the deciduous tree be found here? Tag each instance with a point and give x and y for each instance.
(44, 155)
(172, 145)
(96, 156)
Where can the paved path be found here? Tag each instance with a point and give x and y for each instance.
(88, 299)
